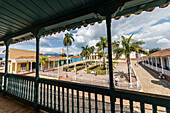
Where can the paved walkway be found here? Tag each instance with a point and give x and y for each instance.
(8, 105)
(150, 81)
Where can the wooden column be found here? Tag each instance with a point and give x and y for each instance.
(112, 88)
(37, 74)
(37, 35)
(7, 43)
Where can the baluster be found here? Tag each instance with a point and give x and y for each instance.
(131, 106)
(59, 98)
(47, 96)
(14, 85)
(8, 85)
(44, 95)
(78, 101)
(67, 100)
(29, 98)
(32, 90)
(72, 100)
(51, 96)
(167, 110)
(63, 100)
(27, 90)
(142, 107)
(121, 105)
(55, 98)
(18, 87)
(154, 107)
(41, 94)
(1, 83)
(83, 103)
(89, 95)
(96, 107)
(22, 88)
(103, 103)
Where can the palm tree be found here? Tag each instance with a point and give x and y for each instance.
(85, 52)
(91, 50)
(129, 46)
(115, 44)
(101, 45)
(68, 42)
(43, 60)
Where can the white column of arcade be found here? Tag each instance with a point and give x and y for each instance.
(156, 63)
(162, 65)
(31, 67)
(15, 67)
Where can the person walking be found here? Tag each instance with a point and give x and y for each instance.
(116, 81)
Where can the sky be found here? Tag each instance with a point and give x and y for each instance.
(151, 27)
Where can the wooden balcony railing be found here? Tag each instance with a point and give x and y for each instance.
(63, 96)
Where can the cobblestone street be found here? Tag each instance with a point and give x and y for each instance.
(150, 81)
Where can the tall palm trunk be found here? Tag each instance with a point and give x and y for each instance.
(103, 59)
(90, 58)
(129, 69)
(67, 57)
(85, 63)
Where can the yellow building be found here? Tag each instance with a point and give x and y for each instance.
(24, 61)
(21, 60)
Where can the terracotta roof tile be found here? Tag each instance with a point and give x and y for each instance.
(61, 58)
(161, 53)
(76, 56)
(26, 57)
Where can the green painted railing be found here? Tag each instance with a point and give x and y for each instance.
(63, 96)
(1, 81)
(20, 86)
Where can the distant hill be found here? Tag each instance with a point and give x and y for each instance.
(48, 54)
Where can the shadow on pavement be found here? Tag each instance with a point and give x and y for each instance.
(122, 75)
(159, 82)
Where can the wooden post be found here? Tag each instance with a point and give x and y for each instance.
(36, 87)
(112, 88)
(37, 74)
(7, 43)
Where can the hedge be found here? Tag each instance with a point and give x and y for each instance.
(101, 72)
(78, 67)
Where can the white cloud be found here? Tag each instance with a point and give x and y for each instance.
(50, 50)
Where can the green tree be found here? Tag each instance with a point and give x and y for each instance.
(91, 50)
(85, 52)
(101, 45)
(71, 55)
(62, 54)
(43, 60)
(100, 54)
(68, 42)
(129, 46)
(154, 50)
